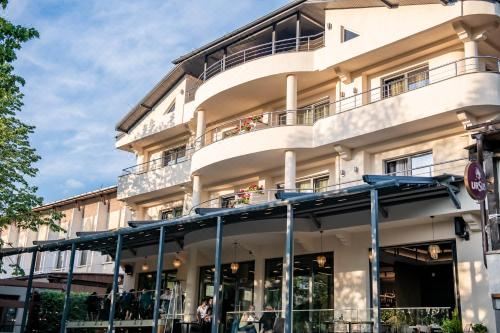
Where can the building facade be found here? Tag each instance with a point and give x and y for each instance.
(308, 99)
(308, 108)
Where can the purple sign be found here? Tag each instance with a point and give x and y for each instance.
(475, 181)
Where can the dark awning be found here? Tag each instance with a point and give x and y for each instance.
(393, 190)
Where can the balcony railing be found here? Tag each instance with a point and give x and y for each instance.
(165, 161)
(295, 44)
(255, 195)
(308, 116)
(416, 319)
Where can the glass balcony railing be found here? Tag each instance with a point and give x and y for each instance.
(394, 320)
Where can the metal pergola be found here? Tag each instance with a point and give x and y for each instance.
(378, 193)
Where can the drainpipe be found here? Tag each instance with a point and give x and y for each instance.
(482, 203)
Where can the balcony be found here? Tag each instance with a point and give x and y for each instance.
(363, 118)
(163, 174)
(289, 45)
(255, 195)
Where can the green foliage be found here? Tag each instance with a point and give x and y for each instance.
(49, 311)
(17, 157)
(479, 328)
(453, 325)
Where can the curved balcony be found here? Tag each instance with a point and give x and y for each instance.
(362, 118)
(300, 44)
(162, 174)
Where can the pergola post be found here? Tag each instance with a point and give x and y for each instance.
(273, 40)
(297, 33)
(217, 276)
(375, 259)
(288, 270)
(114, 290)
(159, 270)
(67, 296)
(27, 298)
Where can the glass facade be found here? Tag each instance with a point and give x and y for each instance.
(148, 280)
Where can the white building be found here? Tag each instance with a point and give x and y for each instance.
(304, 100)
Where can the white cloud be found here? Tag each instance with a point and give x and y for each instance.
(73, 183)
(94, 60)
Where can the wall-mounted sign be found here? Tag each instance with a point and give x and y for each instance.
(475, 181)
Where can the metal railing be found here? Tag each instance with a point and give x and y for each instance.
(420, 319)
(308, 116)
(158, 163)
(295, 44)
(245, 197)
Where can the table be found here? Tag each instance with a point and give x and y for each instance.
(349, 323)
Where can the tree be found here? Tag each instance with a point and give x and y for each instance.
(17, 157)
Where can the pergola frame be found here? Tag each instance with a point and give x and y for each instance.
(377, 192)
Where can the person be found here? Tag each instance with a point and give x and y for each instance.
(165, 298)
(126, 304)
(267, 320)
(145, 304)
(201, 315)
(247, 321)
(106, 304)
(92, 302)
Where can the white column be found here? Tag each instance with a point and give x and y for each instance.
(192, 284)
(197, 187)
(291, 99)
(200, 128)
(290, 169)
(471, 51)
(259, 276)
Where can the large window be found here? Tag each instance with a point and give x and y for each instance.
(174, 156)
(84, 258)
(59, 264)
(313, 285)
(38, 261)
(312, 184)
(404, 82)
(168, 214)
(411, 165)
(237, 288)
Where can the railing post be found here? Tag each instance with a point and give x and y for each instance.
(159, 270)
(244, 55)
(217, 276)
(114, 290)
(67, 296)
(375, 259)
(288, 273)
(273, 40)
(205, 70)
(27, 298)
(308, 43)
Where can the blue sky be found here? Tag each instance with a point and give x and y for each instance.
(95, 59)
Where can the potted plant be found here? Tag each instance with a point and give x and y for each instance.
(479, 328)
(452, 325)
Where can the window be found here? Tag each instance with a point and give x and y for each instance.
(312, 112)
(320, 184)
(308, 185)
(59, 260)
(227, 201)
(347, 35)
(38, 262)
(171, 108)
(413, 165)
(408, 81)
(174, 156)
(313, 285)
(84, 256)
(169, 214)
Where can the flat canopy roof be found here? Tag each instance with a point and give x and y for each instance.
(393, 190)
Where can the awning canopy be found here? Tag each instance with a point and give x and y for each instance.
(393, 190)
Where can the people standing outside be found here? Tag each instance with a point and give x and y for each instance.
(92, 306)
(267, 320)
(165, 298)
(201, 314)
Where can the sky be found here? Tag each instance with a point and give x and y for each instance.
(94, 61)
